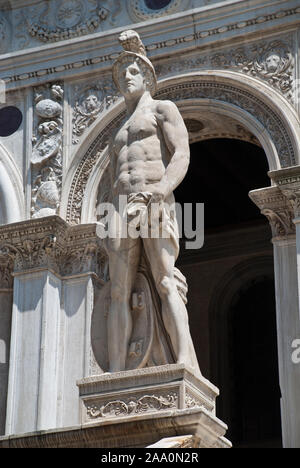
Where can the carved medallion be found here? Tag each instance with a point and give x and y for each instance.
(63, 19)
(70, 13)
(141, 10)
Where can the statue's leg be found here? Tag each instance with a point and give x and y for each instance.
(161, 254)
(124, 258)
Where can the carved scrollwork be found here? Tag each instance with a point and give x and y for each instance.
(281, 223)
(91, 102)
(50, 243)
(46, 157)
(129, 406)
(65, 19)
(4, 34)
(294, 198)
(30, 253)
(271, 61)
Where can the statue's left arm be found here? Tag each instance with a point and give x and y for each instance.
(177, 140)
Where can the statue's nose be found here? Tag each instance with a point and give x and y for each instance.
(127, 75)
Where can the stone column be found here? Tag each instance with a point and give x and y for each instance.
(288, 181)
(50, 348)
(274, 205)
(80, 270)
(6, 293)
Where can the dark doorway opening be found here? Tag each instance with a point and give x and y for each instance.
(220, 175)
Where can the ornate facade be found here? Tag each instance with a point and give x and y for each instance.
(233, 70)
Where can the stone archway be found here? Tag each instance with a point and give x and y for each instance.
(230, 289)
(260, 109)
(273, 122)
(12, 206)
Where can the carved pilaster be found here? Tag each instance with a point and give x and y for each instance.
(277, 208)
(46, 159)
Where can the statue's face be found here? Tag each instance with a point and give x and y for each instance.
(132, 81)
(91, 103)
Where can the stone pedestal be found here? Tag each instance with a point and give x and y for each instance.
(143, 397)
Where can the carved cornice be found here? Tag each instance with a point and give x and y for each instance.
(50, 243)
(277, 209)
(269, 60)
(51, 69)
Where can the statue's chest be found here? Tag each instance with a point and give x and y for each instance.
(138, 127)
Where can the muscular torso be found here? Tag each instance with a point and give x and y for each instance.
(140, 153)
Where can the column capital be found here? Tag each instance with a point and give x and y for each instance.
(278, 210)
(6, 268)
(51, 243)
(288, 181)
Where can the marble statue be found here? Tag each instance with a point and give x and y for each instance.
(149, 157)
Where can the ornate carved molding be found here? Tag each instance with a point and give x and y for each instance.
(288, 181)
(60, 20)
(239, 26)
(50, 243)
(271, 61)
(178, 92)
(85, 167)
(139, 11)
(276, 207)
(91, 101)
(5, 32)
(245, 101)
(132, 405)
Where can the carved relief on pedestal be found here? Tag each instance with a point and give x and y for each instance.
(46, 159)
(131, 405)
(91, 101)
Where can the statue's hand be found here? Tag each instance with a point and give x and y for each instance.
(158, 195)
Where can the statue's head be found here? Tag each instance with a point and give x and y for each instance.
(272, 62)
(133, 71)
